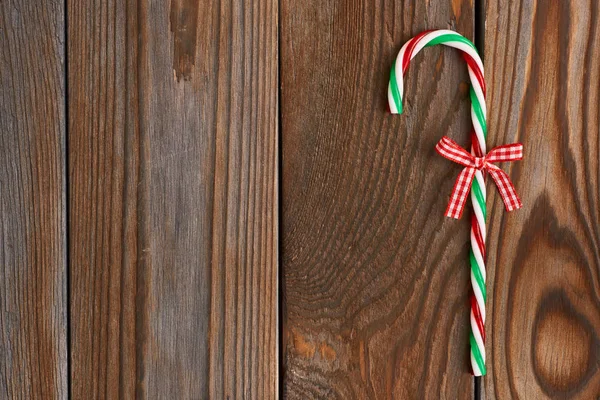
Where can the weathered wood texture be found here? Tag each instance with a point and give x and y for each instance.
(376, 279)
(33, 270)
(543, 68)
(173, 198)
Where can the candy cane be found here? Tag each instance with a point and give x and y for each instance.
(478, 194)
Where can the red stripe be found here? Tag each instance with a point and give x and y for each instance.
(470, 61)
(478, 237)
(475, 145)
(410, 48)
(477, 316)
(478, 74)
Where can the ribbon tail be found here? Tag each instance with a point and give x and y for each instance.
(458, 198)
(506, 188)
(507, 152)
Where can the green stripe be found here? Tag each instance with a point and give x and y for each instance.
(477, 274)
(395, 93)
(478, 112)
(479, 196)
(451, 37)
(477, 355)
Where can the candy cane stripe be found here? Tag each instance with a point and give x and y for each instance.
(477, 73)
(477, 354)
(408, 54)
(478, 276)
(450, 37)
(477, 108)
(477, 333)
(479, 197)
(396, 102)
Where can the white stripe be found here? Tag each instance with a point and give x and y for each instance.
(469, 50)
(481, 181)
(398, 70)
(472, 52)
(477, 336)
(477, 254)
(475, 366)
(476, 209)
(457, 45)
(478, 131)
(391, 101)
(478, 296)
(478, 91)
(478, 214)
(426, 39)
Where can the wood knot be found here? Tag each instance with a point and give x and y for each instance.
(309, 347)
(563, 345)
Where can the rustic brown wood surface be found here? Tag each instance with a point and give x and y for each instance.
(376, 285)
(173, 199)
(33, 267)
(543, 68)
(139, 197)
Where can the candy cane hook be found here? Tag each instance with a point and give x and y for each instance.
(478, 149)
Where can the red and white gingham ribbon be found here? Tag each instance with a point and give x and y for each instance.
(449, 149)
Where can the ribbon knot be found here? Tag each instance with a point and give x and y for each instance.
(479, 163)
(449, 149)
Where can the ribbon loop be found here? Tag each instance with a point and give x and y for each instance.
(449, 149)
(507, 152)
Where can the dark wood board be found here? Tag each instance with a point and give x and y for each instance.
(173, 199)
(376, 279)
(33, 265)
(543, 71)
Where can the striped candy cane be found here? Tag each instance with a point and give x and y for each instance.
(478, 194)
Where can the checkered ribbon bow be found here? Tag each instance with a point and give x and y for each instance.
(449, 149)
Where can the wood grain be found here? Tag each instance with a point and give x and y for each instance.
(173, 166)
(543, 63)
(376, 279)
(33, 268)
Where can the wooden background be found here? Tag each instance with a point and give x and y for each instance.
(208, 200)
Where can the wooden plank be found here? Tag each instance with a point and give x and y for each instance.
(33, 269)
(104, 210)
(376, 279)
(543, 64)
(173, 166)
